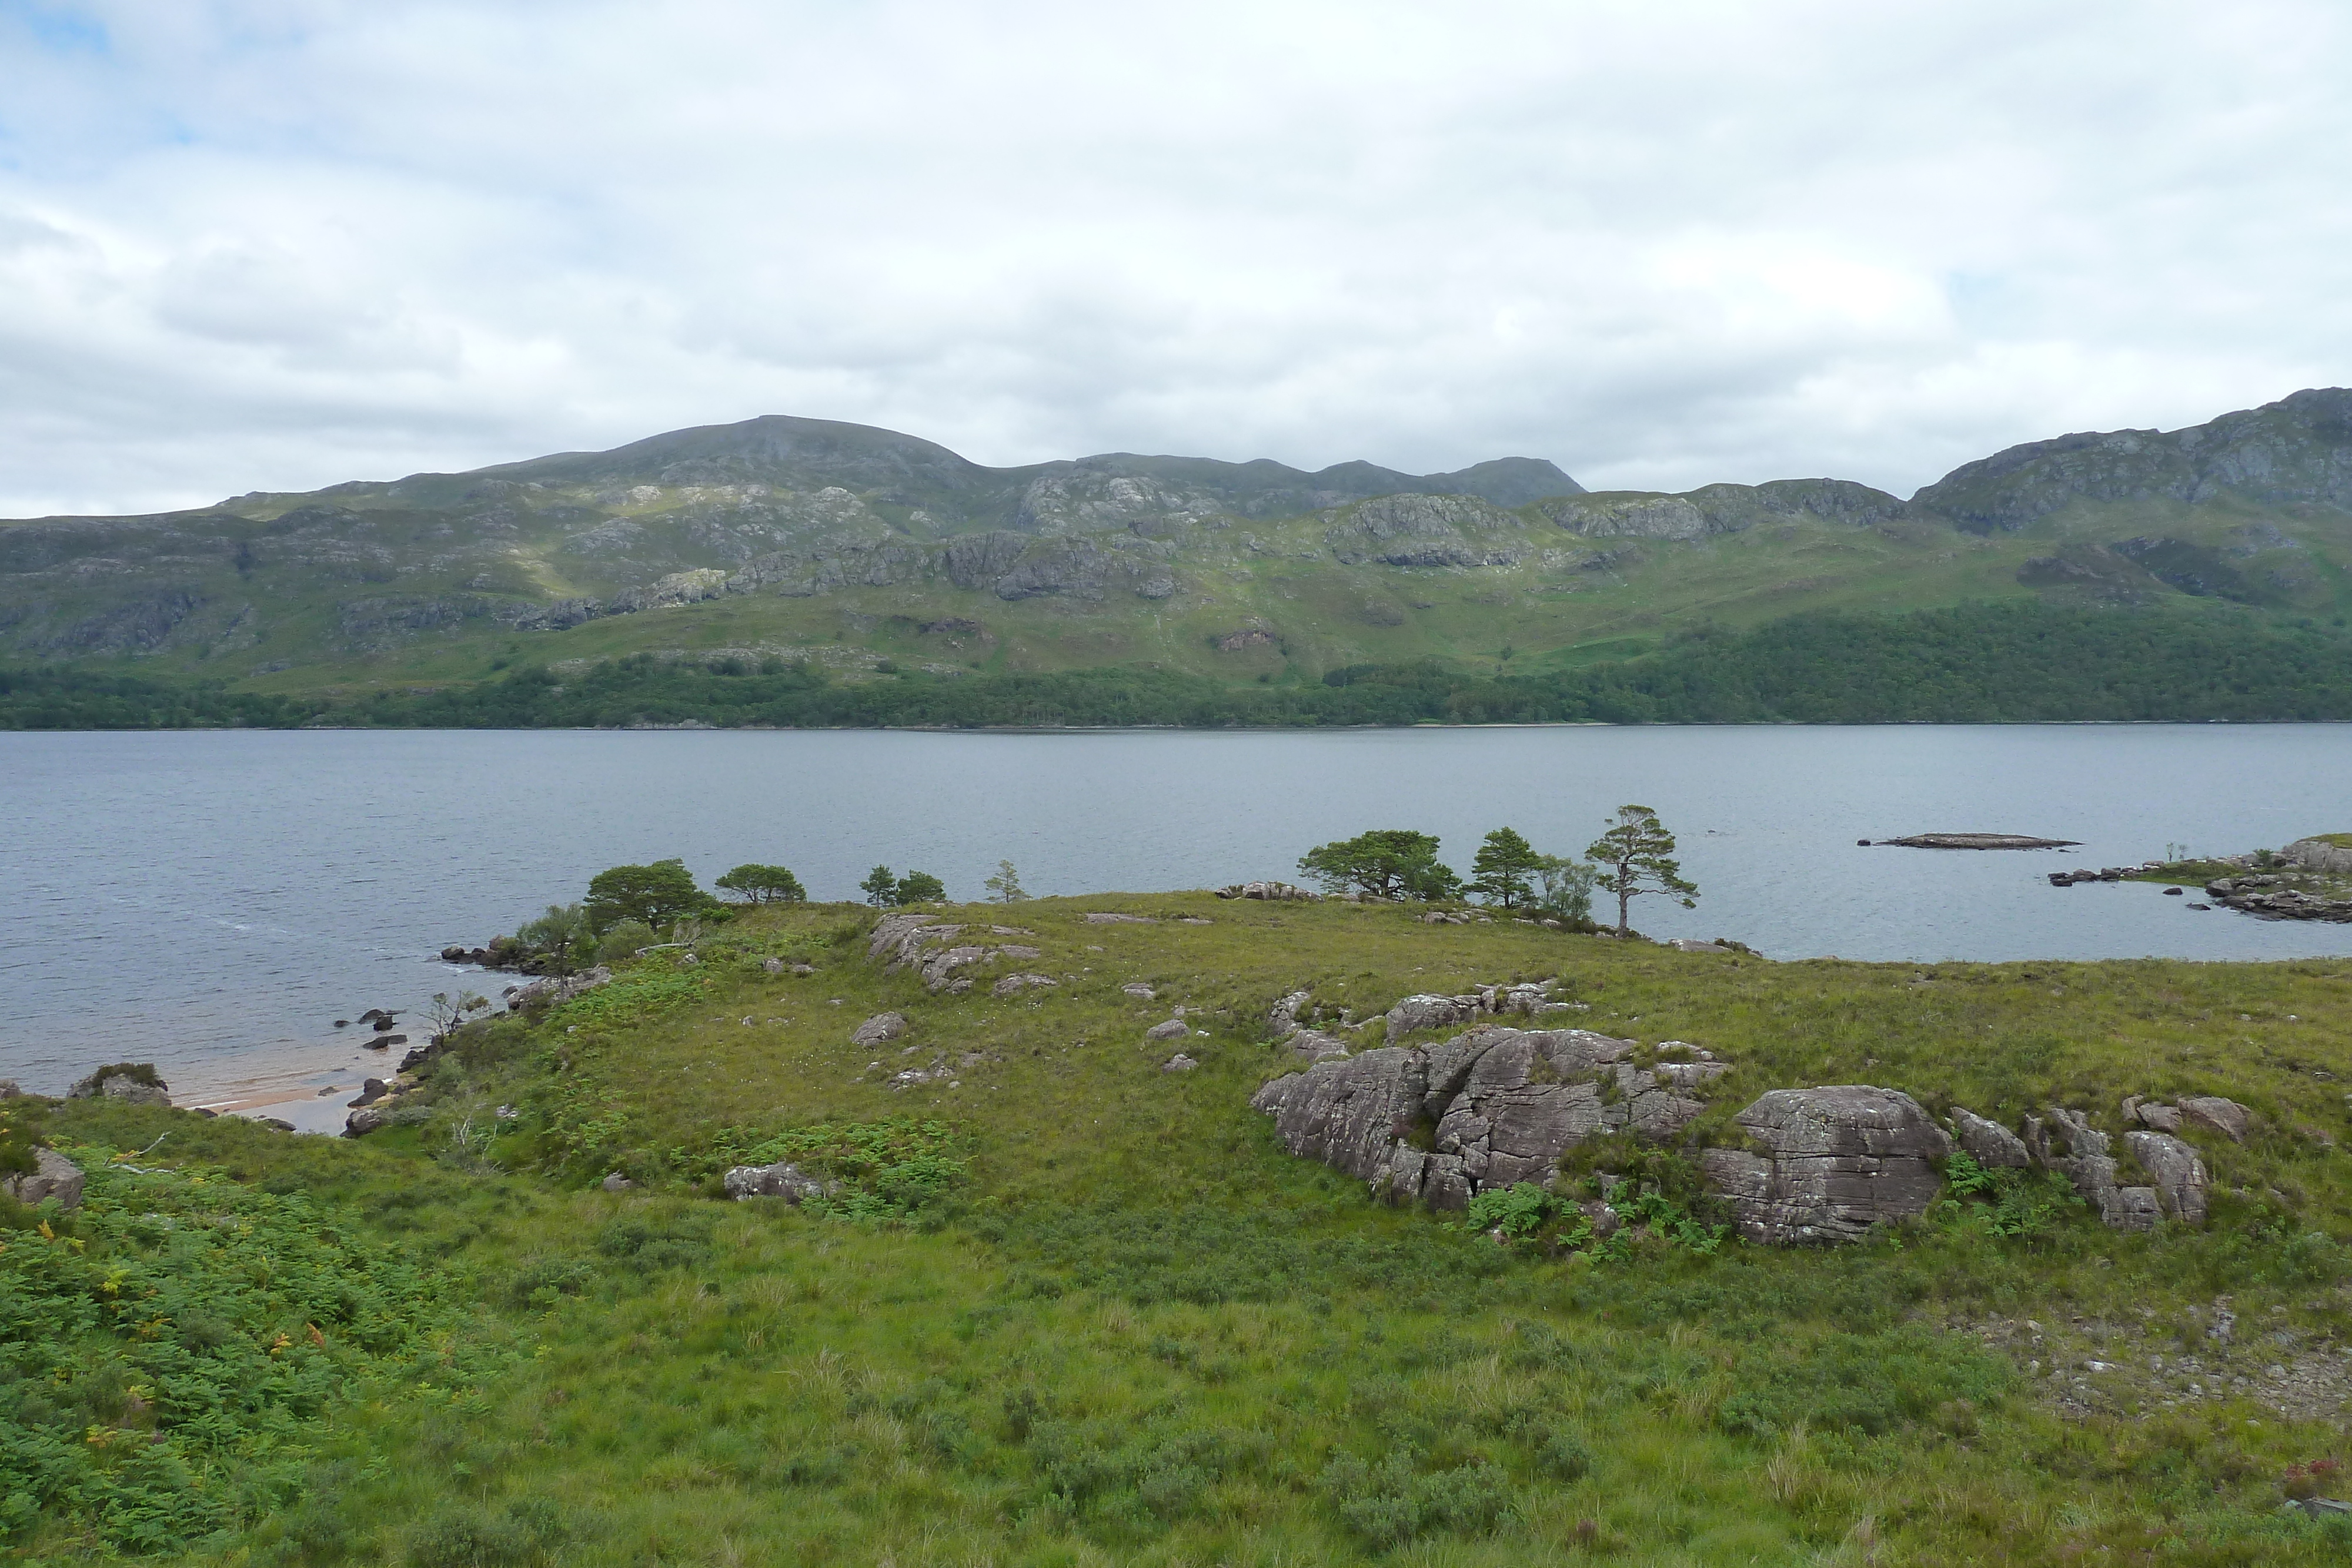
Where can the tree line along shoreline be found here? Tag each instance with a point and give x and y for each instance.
(2005, 662)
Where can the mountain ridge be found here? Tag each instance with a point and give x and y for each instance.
(859, 548)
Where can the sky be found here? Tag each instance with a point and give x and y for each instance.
(278, 243)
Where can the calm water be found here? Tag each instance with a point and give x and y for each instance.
(213, 901)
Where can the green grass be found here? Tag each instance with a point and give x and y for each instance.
(1079, 1310)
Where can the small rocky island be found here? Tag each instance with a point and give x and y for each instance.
(1973, 842)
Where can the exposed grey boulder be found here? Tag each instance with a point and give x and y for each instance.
(1415, 1013)
(1012, 983)
(1315, 1045)
(1836, 1161)
(125, 1082)
(1987, 1143)
(1350, 1113)
(8, 1089)
(880, 1029)
(1137, 990)
(1282, 1019)
(616, 1182)
(1271, 892)
(373, 1090)
(2319, 855)
(1180, 1063)
(939, 969)
(1485, 1109)
(2067, 1142)
(52, 1175)
(366, 1120)
(1101, 919)
(2216, 1115)
(2180, 1174)
(772, 966)
(2162, 1117)
(784, 1179)
(1168, 1028)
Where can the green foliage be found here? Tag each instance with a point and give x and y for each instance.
(1519, 1210)
(2004, 1202)
(1636, 857)
(918, 887)
(764, 885)
(654, 895)
(1391, 1501)
(1566, 889)
(563, 934)
(1504, 870)
(624, 940)
(880, 886)
(630, 1000)
(1004, 887)
(889, 1170)
(165, 1361)
(1386, 863)
(463, 1535)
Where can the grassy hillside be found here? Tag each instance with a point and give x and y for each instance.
(1070, 1308)
(852, 550)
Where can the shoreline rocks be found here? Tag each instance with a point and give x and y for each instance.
(132, 1082)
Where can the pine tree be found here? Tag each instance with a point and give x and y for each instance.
(878, 886)
(1635, 858)
(1504, 871)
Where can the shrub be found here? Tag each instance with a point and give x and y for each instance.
(622, 941)
(1390, 1503)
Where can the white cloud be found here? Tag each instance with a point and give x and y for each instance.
(280, 243)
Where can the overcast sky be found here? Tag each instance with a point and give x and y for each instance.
(275, 244)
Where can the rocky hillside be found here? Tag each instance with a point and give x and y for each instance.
(855, 547)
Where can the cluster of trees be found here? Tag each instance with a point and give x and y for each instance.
(1634, 857)
(2003, 661)
(884, 890)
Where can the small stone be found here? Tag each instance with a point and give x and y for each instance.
(1139, 990)
(616, 1182)
(1180, 1063)
(1172, 1029)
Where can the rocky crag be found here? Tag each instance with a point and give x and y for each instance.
(1439, 1122)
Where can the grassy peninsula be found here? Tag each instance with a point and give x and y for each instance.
(1065, 1306)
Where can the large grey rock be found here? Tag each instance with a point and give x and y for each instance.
(880, 1029)
(2067, 1142)
(8, 1089)
(2180, 1182)
(1012, 983)
(1836, 1161)
(2319, 855)
(1416, 1013)
(784, 1179)
(366, 1120)
(52, 1175)
(1987, 1143)
(1484, 1109)
(2216, 1115)
(1351, 1112)
(2162, 1117)
(120, 1082)
(1168, 1028)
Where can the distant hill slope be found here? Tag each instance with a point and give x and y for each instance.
(858, 549)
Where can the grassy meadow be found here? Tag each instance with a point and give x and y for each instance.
(1067, 1308)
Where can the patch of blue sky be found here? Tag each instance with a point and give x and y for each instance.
(59, 30)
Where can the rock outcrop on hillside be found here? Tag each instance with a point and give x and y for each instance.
(1834, 1162)
(906, 940)
(1493, 1106)
(133, 1082)
(52, 1175)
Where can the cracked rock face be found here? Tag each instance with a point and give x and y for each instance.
(1837, 1161)
(1440, 1123)
(2179, 1174)
(1990, 1143)
(880, 1029)
(783, 1179)
(902, 940)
